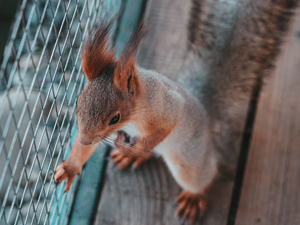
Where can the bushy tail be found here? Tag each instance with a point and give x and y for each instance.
(237, 42)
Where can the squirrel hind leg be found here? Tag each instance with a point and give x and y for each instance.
(190, 205)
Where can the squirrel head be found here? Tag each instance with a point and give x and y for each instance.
(109, 97)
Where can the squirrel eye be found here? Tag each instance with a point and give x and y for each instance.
(115, 119)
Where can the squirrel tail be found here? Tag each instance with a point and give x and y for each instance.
(237, 43)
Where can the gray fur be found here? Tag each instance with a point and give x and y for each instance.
(190, 140)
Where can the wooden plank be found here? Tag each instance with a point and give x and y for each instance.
(165, 48)
(270, 194)
(146, 196)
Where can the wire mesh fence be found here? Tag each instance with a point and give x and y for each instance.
(41, 79)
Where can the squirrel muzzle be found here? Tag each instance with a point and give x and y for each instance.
(85, 139)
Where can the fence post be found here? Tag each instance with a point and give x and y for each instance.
(8, 11)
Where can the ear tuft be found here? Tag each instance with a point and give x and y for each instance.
(96, 54)
(125, 76)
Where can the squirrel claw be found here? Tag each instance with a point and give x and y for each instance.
(132, 168)
(190, 205)
(122, 160)
(61, 173)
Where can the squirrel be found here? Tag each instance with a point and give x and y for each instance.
(195, 124)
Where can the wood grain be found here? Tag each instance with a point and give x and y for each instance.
(165, 48)
(146, 196)
(270, 194)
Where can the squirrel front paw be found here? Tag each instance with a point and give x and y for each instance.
(122, 160)
(65, 171)
(190, 205)
(127, 153)
(130, 147)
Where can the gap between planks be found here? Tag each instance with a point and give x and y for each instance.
(270, 194)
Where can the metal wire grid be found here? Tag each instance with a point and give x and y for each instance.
(41, 70)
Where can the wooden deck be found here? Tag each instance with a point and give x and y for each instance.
(269, 193)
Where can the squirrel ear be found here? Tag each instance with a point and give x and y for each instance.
(125, 76)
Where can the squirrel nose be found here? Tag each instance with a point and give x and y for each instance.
(83, 139)
(85, 142)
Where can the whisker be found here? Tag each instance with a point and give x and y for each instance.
(135, 151)
(109, 140)
(127, 152)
